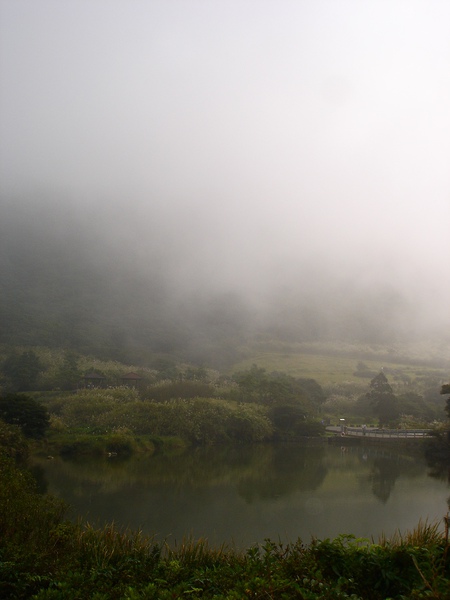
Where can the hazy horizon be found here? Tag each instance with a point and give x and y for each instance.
(296, 150)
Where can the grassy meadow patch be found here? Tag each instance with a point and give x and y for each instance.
(331, 364)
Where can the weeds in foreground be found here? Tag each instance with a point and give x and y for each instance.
(424, 534)
(84, 562)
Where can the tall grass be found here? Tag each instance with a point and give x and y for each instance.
(104, 547)
(197, 552)
(424, 534)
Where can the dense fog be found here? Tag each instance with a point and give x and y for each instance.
(186, 176)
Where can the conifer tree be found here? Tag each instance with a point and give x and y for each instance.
(383, 400)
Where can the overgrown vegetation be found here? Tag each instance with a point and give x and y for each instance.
(31, 416)
(43, 557)
(196, 420)
(437, 450)
(89, 406)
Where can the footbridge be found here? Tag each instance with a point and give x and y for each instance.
(379, 433)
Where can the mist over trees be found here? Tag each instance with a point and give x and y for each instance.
(82, 280)
(300, 196)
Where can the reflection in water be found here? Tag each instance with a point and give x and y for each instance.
(288, 468)
(383, 476)
(245, 494)
(437, 454)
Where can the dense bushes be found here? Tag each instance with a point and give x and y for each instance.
(195, 420)
(27, 520)
(27, 413)
(12, 443)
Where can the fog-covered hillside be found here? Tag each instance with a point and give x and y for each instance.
(184, 177)
(69, 281)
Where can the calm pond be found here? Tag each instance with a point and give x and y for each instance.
(242, 495)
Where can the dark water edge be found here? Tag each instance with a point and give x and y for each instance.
(242, 495)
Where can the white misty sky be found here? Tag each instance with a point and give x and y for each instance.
(253, 136)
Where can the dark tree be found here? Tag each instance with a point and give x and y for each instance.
(253, 384)
(22, 370)
(68, 374)
(437, 450)
(446, 390)
(313, 390)
(286, 418)
(12, 442)
(280, 390)
(28, 414)
(383, 401)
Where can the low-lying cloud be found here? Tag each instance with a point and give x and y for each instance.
(293, 157)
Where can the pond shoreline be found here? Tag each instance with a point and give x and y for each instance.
(82, 445)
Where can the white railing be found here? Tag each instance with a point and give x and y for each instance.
(376, 432)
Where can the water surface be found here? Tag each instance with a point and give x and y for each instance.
(242, 495)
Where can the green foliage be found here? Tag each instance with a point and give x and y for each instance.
(362, 370)
(31, 416)
(24, 514)
(12, 442)
(290, 423)
(196, 374)
(120, 443)
(195, 420)
(437, 449)
(414, 405)
(22, 370)
(166, 369)
(77, 561)
(68, 374)
(446, 390)
(383, 400)
(252, 384)
(279, 389)
(313, 390)
(27, 522)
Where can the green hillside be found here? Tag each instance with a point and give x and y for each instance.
(332, 363)
(66, 284)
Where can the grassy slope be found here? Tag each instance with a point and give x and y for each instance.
(329, 363)
(335, 363)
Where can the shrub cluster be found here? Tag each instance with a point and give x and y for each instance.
(25, 412)
(195, 420)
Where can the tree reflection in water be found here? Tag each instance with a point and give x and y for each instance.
(287, 470)
(383, 476)
(437, 454)
(250, 492)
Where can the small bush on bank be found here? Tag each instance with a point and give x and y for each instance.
(119, 443)
(83, 445)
